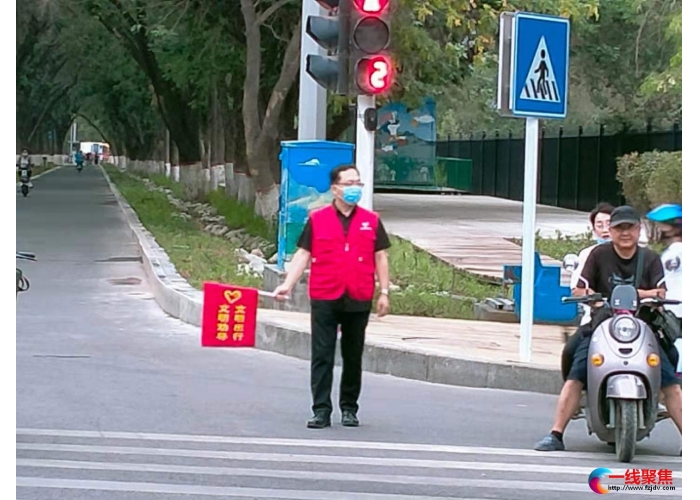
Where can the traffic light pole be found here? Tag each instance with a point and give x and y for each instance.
(312, 97)
(364, 151)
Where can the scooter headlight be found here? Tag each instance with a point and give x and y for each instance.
(625, 329)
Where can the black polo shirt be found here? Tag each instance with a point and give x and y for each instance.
(345, 303)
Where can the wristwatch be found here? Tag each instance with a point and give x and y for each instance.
(385, 291)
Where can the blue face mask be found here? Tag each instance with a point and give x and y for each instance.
(602, 240)
(352, 194)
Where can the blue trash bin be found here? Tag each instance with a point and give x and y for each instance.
(548, 308)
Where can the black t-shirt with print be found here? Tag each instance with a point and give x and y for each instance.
(605, 269)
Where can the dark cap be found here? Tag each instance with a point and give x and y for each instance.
(624, 215)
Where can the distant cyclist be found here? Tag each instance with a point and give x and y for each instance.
(79, 159)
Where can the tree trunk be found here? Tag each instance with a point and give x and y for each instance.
(191, 178)
(245, 189)
(175, 157)
(218, 145)
(230, 117)
(168, 164)
(229, 137)
(205, 148)
(229, 147)
(262, 161)
(214, 130)
(260, 136)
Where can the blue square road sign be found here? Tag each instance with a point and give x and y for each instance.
(540, 72)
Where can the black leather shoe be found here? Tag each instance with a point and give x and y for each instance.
(349, 419)
(319, 421)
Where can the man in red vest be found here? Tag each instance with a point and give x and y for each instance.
(346, 246)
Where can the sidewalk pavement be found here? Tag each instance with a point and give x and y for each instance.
(464, 353)
(472, 232)
(471, 215)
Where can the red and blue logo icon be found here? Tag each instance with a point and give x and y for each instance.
(595, 480)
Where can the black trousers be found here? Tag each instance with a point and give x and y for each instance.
(567, 355)
(325, 319)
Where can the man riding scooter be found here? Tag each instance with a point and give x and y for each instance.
(622, 261)
(25, 161)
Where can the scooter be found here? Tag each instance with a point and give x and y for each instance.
(24, 179)
(22, 281)
(624, 371)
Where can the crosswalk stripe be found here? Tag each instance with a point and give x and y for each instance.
(316, 459)
(223, 491)
(341, 444)
(318, 476)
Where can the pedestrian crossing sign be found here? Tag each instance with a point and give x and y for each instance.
(540, 66)
(541, 83)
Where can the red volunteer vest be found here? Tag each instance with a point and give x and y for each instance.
(342, 262)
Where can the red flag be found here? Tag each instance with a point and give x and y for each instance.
(229, 315)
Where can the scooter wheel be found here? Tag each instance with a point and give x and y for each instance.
(626, 430)
(25, 190)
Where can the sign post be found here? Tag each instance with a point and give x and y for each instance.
(364, 149)
(533, 84)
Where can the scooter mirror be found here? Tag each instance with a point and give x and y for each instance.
(570, 262)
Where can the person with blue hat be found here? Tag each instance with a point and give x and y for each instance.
(669, 218)
(670, 221)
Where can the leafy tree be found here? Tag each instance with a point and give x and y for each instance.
(218, 78)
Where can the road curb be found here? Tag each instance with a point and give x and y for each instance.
(179, 299)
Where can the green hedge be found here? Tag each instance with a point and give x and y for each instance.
(651, 179)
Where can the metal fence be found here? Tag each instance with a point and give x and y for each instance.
(576, 172)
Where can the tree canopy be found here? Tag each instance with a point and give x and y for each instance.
(217, 80)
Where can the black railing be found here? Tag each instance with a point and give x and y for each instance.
(576, 172)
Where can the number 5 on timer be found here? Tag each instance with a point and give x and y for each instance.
(373, 75)
(370, 37)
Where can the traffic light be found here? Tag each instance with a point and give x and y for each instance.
(331, 33)
(369, 40)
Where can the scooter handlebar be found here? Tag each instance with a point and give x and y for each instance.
(596, 297)
(661, 302)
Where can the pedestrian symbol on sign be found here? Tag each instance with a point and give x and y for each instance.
(541, 84)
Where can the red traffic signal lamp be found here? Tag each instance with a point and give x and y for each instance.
(374, 75)
(370, 35)
(371, 6)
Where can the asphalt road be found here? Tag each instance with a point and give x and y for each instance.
(116, 400)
